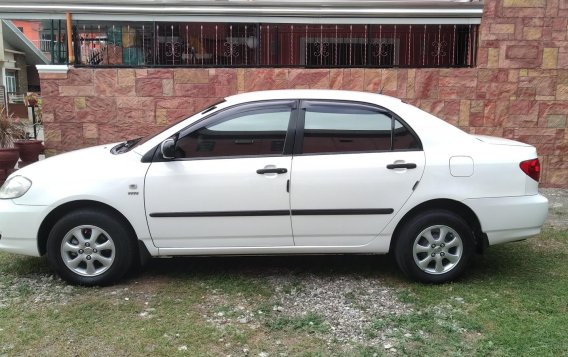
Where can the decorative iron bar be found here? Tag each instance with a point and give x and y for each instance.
(160, 44)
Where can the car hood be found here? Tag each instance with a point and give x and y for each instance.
(499, 141)
(81, 174)
(69, 162)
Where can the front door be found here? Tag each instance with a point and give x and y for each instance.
(227, 186)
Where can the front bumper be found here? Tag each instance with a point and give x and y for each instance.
(507, 219)
(19, 226)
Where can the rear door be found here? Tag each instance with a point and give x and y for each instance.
(354, 167)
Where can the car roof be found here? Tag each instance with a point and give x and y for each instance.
(313, 94)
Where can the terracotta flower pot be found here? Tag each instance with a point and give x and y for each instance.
(8, 159)
(29, 150)
(4, 174)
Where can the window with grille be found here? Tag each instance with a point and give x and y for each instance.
(273, 45)
(11, 82)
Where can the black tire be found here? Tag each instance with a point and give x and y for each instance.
(114, 258)
(434, 238)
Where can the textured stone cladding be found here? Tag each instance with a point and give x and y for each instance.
(519, 89)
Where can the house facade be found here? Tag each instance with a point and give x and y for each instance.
(18, 74)
(495, 67)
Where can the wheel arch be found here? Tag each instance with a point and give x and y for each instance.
(454, 206)
(60, 211)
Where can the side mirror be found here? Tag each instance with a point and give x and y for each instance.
(168, 149)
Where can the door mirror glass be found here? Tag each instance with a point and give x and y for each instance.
(168, 149)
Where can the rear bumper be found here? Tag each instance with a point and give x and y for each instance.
(507, 219)
(19, 226)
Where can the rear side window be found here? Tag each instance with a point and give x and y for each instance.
(337, 128)
(248, 133)
(403, 139)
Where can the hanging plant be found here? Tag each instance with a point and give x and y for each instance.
(31, 99)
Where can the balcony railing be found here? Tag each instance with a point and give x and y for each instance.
(161, 44)
(14, 98)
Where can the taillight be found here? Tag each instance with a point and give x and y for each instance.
(531, 168)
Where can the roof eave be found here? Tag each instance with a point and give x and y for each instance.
(17, 39)
(356, 9)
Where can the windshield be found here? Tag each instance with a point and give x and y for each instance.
(131, 144)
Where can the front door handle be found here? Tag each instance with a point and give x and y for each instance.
(277, 170)
(401, 166)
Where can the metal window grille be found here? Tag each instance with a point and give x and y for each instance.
(162, 44)
(11, 82)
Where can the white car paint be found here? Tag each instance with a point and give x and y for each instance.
(349, 181)
(481, 172)
(213, 186)
(74, 176)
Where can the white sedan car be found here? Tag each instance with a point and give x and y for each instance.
(279, 172)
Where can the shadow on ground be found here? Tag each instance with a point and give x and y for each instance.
(258, 266)
(505, 259)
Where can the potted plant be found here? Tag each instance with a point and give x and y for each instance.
(30, 148)
(10, 130)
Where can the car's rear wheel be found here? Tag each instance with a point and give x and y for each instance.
(434, 246)
(89, 247)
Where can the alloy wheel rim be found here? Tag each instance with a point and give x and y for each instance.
(88, 250)
(437, 249)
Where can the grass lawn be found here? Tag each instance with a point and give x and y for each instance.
(513, 301)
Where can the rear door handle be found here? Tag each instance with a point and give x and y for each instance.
(401, 166)
(277, 170)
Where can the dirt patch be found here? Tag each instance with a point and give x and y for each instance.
(36, 290)
(347, 306)
(557, 207)
(340, 310)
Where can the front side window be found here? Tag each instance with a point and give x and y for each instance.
(344, 128)
(251, 132)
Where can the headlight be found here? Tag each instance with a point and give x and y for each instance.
(15, 187)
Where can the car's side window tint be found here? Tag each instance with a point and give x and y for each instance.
(345, 128)
(403, 139)
(252, 132)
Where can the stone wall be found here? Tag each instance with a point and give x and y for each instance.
(519, 89)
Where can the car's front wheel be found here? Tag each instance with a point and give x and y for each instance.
(88, 247)
(434, 246)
